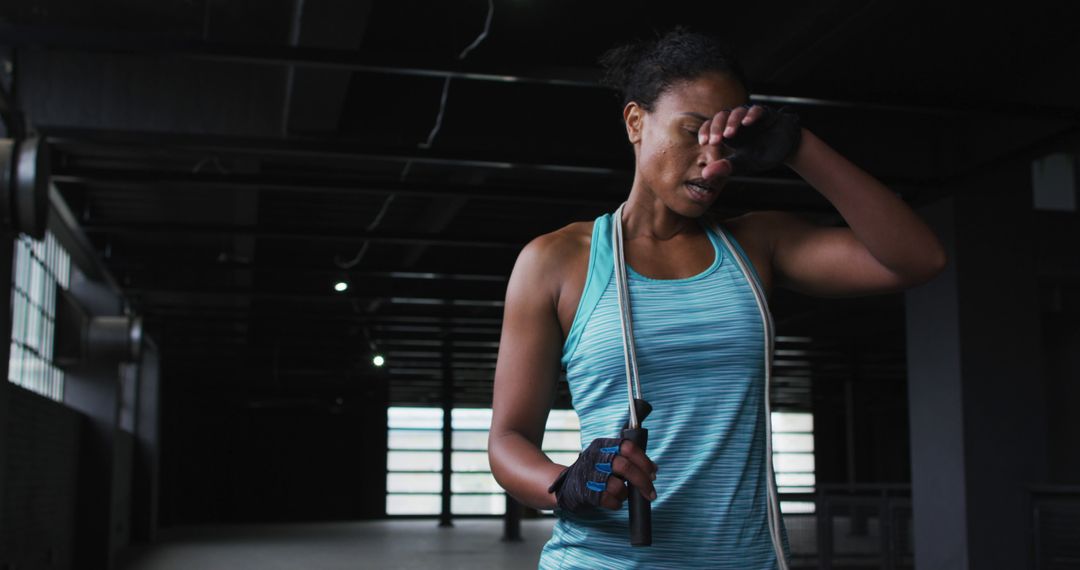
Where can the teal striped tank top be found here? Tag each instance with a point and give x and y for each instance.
(701, 358)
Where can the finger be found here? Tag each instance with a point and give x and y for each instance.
(631, 451)
(734, 120)
(615, 493)
(703, 132)
(722, 167)
(753, 114)
(716, 129)
(634, 475)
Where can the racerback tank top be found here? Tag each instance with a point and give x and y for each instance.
(701, 359)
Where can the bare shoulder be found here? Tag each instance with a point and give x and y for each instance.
(761, 228)
(549, 259)
(554, 250)
(568, 240)
(756, 233)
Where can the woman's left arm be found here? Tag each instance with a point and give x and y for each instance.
(885, 248)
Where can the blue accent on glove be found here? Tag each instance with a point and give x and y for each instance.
(579, 486)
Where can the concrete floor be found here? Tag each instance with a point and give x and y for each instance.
(391, 545)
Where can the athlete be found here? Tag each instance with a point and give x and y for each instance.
(698, 327)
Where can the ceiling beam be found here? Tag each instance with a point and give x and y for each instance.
(583, 194)
(157, 45)
(313, 234)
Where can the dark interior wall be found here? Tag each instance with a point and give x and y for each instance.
(1005, 406)
(93, 389)
(859, 397)
(1060, 289)
(146, 472)
(150, 93)
(39, 491)
(92, 392)
(1062, 354)
(239, 446)
(120, 493)
(880, 444)
(7, 253)
(978, 402)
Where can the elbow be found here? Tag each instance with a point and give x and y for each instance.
(495, 454)
(941, 261)
(492, 455)
(934, 262)
(929, 270)
(939, 258)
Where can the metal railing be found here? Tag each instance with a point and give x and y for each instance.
(853, 526)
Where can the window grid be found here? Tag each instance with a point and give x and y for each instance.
(414, 466)
(414, 462)
(39, 265)
(793, 458)
(414, 470)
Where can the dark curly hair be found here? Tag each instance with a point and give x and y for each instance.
(641, 71)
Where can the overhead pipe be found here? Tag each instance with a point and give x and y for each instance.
(24, 185)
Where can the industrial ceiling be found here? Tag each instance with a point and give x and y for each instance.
(231, 161)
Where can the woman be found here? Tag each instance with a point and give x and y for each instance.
(697, 326)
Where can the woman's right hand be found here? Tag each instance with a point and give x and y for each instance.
(598, 478)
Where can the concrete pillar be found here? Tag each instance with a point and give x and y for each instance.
(976, 395)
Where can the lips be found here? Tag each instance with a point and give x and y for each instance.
(700, 190)
(707, 185)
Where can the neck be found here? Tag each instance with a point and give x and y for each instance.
(647, 216)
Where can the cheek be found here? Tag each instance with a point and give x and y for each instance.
(664, 161)
(657, 153)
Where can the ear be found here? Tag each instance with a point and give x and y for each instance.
(633, 115)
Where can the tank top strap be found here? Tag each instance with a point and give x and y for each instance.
(722, 233)
(598, 276)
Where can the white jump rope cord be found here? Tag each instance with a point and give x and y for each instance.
(633, 380)
(633, 383)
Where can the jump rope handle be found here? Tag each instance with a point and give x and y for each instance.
(640, 508)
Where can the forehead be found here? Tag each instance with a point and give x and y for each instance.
(705, 95)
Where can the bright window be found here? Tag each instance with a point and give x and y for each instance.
(38, 267)
(562, 438)
(793, 457)
(414, 461)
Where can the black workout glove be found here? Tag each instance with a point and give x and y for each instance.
(579, 486)
(766, 143)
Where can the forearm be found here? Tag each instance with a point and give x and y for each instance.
(883, 222)
(523, 469)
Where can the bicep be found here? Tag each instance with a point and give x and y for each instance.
(528, 366)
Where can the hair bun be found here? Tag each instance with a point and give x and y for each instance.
(641, 70)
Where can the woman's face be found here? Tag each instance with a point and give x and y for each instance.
(669, 157)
